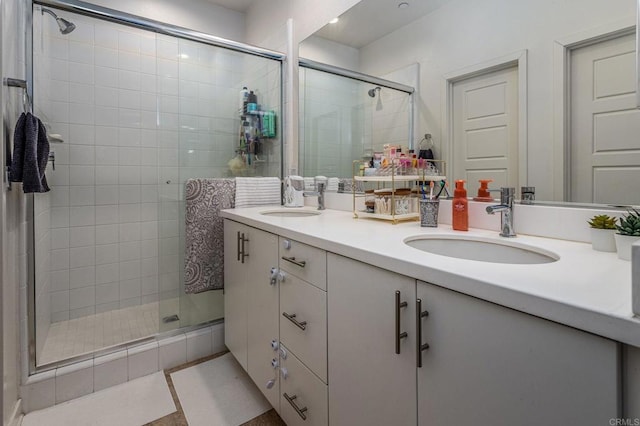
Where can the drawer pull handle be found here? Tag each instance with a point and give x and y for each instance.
(300, 263)
(292, 317)
(399, 335)
(419, 345)
(244, 254)
(290, 400)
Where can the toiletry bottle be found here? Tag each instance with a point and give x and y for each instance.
(244, 96)
(483, 191)
(460, 207)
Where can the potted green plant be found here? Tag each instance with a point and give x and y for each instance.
(628, 233)
(602, 229)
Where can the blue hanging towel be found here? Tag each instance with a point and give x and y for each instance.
(30, 154)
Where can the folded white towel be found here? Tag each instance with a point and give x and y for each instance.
(251, 191)
(332, 184)
(309, 184)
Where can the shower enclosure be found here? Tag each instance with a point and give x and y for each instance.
(346, 116)
(133, 109)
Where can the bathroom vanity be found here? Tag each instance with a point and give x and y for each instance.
(339, 321)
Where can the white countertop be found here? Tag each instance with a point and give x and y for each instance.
(585, 289)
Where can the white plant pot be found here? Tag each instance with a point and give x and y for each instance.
(603, 240)
(623, 244)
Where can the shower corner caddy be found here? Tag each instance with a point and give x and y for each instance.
(398, 179)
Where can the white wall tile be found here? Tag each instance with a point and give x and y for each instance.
(129, 232)
(108, 273)
(106, 215)
(130, 288)
(106, 175)
(106, 194)
(59, 217)
(81, 93)
(81, 113)
(129, 194)
(81, 175)
(105, 57)
(82, 312)
(172, 352)
(82, 236)
(129, 61)
(143, 360)
(39, 395)
(129, 251)
(74, 381)
(110, 370)
(82, 297)
(82, 155)
(199, 344)
(106, 36)
(149, 285)
(129, 213)
(107, 135)
(81, 73)
(81, 196)
(106, 155)
(59, 280)
(106, 234)
(59, 259)
(107, 293)
(107, 253)
(130, 270)
(59, 301)
(82, 215)
(82, 277)
(82, 256)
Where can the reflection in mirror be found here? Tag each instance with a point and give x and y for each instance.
(577, 125)
(343, 119)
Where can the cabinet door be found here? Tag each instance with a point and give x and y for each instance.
(369, 384)
(235, 294)
(263, 310)
(490, 365)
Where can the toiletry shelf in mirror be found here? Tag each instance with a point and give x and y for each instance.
(398, 201)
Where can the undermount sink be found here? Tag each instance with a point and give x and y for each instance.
(481, 249)
(290, 213)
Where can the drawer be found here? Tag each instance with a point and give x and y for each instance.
(304, 261)
(308, 338)
(303, 389)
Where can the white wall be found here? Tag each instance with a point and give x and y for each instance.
(14, 226)
(466, 32)
(329, 52)
(199, 15)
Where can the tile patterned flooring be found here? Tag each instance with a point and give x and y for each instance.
(78, 336)
(270, 418)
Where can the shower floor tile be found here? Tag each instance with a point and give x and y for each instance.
(78, 336)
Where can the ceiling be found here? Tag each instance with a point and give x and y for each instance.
(370, 20)
(237, 5)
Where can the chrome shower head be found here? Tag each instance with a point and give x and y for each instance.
(65, 26)
(372, 92)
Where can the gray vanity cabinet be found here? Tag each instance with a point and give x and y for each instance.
(251, 303)
(481, 363)
(490, 365)
(369, 382)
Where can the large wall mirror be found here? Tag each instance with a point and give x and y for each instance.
(528, 93)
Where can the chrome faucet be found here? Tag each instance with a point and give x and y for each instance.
(506, 209)
(320, 185)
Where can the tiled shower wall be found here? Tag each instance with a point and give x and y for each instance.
(139, 114)
(339, 121)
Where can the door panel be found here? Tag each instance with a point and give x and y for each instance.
(485, 129)
(604, 146)
(235, 295)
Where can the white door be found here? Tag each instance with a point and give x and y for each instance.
(485, 129)
(605, 124)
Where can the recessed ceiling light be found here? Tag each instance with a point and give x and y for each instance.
(334, 20)
(403, 5)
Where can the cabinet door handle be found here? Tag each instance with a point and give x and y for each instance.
(399, 335)
(300, 263)
(300, 411)
(238, 245)
(244, 240)
(292, 317)
(419, 345)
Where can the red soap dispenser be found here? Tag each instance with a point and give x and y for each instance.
(460, 207)
(483, 191)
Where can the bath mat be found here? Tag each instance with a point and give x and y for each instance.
(218, 392)
(133, 403)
